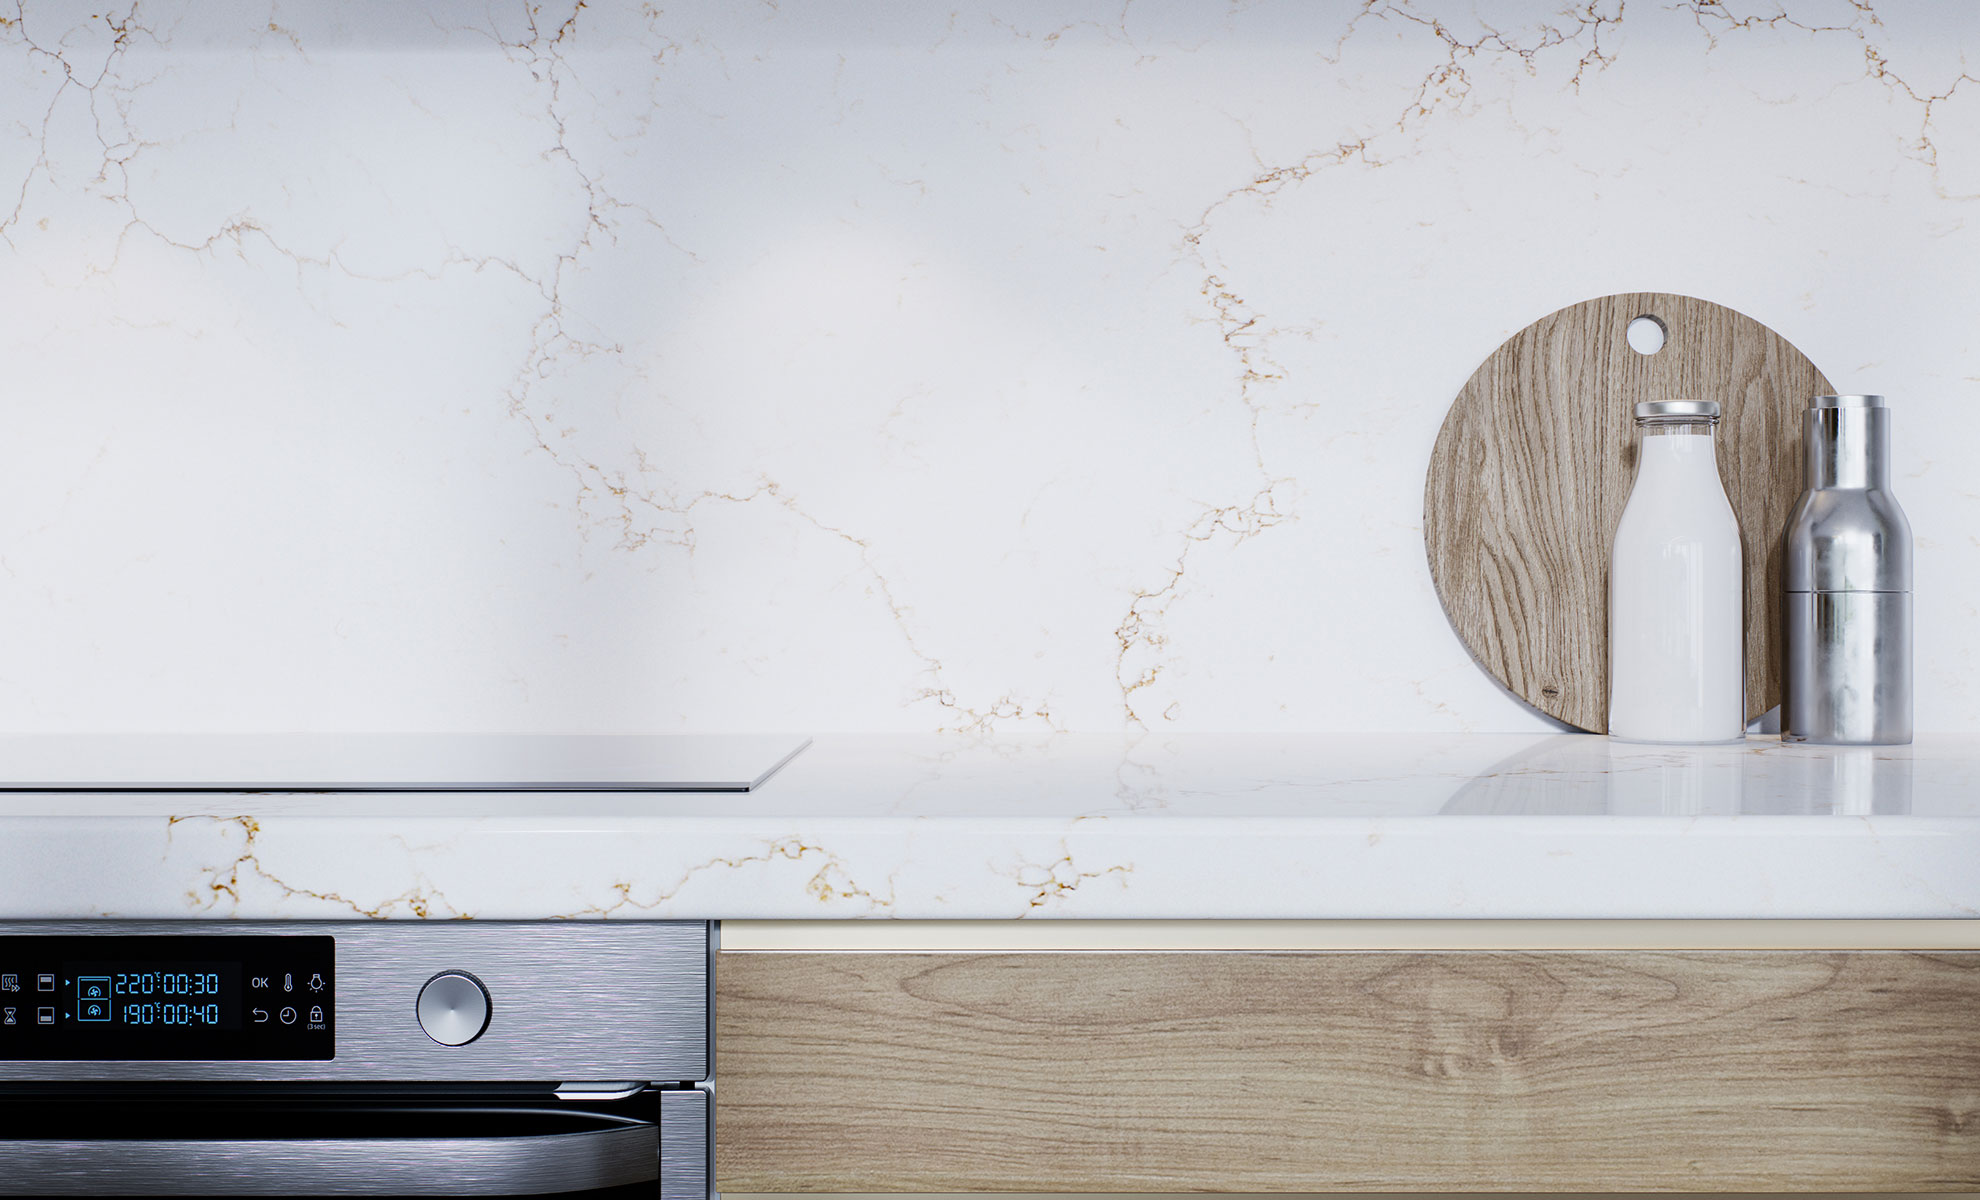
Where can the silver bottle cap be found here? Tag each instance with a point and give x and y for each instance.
(1846, 402)
(1674, 411)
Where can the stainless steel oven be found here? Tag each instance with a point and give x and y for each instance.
(343, 1058)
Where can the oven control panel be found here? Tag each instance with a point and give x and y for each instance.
(172, 996)
(398, 1002)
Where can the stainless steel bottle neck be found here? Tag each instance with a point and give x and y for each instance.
(1847, 447)
(1847, 533)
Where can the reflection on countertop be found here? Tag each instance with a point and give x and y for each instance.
(1577, 774)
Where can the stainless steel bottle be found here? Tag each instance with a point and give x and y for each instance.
(1847, 572)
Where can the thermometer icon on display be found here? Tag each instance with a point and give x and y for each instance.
(288, 983)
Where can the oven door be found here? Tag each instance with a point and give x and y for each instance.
(192, 1145)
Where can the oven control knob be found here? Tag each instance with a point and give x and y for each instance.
(453, 1008)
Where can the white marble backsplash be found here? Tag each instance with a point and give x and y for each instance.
(720, 366)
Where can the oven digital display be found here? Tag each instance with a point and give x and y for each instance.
(199, 995)
(209, 997)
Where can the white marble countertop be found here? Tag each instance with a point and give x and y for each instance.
(1088, 826)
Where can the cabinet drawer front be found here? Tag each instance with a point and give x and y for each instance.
(1555, 1070)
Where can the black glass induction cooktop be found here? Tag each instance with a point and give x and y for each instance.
(394, 762)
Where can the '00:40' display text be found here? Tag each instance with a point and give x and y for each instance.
(153, 1013)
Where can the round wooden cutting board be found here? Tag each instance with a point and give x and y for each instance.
(1535, 462)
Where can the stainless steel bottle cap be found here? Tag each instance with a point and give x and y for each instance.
(1842, 402)
(1672, 411)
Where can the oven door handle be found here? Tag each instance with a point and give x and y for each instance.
(372, 1166)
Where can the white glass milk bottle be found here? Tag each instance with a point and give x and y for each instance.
(1676, 672)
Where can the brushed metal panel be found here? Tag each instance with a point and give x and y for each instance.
(332, 1166)
(685, 1145)
(570, 1000)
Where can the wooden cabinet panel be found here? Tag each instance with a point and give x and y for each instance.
(1570, 1070)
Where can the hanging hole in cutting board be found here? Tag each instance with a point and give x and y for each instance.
(1645, 334)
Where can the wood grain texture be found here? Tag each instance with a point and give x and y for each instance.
(1585, 1070)
(1534, 464)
